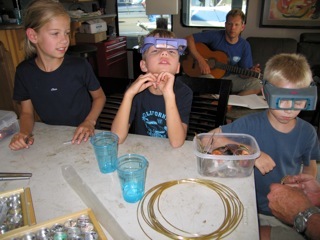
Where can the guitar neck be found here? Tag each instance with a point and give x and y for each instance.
(238, 70)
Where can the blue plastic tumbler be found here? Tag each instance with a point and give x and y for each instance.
(132, 175)
(105, 146)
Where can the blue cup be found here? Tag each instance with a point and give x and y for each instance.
(132, 170)
(105, 146)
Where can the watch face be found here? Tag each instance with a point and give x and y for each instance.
(300, 223)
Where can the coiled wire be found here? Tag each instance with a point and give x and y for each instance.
(233, 210)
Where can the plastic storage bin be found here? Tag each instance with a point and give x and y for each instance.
(210, 163)
(8, 124)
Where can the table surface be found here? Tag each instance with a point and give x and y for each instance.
(198, 210)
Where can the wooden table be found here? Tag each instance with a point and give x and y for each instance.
(195, 207)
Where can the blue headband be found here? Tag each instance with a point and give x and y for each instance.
(164, 43)
(290, 98)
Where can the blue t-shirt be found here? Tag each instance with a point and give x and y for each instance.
(148, 112)
(59, 97)
(288, 150)
(239, 53)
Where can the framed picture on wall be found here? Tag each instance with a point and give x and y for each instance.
(290, 13)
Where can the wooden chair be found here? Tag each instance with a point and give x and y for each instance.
(114, 89)
(309, 46)
(207, 112)
(109, 111)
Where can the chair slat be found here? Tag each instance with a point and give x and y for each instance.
(207, 112)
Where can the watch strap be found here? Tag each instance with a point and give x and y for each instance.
(300, 222)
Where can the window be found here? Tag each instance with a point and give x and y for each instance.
(133, 20)
(208, 13)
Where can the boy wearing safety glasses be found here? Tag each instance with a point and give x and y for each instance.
(156, 103)
(288, 144)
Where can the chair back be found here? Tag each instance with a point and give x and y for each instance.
(114, 89)
(109, 111)
(208, 111)
(263, 48)
(309, 46)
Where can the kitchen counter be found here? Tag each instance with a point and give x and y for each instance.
(10, 26)
(191, 206)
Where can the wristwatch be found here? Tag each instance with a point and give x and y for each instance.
(300, 221)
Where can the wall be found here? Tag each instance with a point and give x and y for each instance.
(252, 27)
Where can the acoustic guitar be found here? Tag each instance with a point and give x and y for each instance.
(218, 63)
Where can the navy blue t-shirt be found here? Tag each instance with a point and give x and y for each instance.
(59, 97)
(148, 113)
(288, 150)
(239, 53)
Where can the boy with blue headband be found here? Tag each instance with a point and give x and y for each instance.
(288, 144)
(156, 103)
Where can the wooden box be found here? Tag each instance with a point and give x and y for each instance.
(91, 37)
(25, 208)
(32, 231)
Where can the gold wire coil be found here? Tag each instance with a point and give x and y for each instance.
(233, 210)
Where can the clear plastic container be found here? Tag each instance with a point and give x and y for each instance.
(241, 151)
(8, 124)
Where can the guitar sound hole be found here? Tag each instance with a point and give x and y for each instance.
(211, 63)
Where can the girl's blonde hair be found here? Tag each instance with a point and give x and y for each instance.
(37, 14)
(285, 67)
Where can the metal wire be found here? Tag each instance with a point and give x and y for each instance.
(148, 210)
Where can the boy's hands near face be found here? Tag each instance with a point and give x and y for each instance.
(141, 83)
(165, 82)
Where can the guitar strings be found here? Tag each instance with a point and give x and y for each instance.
(149, 208)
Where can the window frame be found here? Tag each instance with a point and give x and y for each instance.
(141, 33)
(185, 6)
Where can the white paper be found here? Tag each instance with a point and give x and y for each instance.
(252, 101)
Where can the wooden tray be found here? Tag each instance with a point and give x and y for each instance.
(27, 209)
(18, 233)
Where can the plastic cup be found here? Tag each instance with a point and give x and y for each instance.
(105, 146)
(132, 170)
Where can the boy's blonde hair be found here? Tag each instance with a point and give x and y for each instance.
(161, 33)
(37, 14)
(285, 67)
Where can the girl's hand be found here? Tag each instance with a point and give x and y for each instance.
(20, 141)
(83, 132)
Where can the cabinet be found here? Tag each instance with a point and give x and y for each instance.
(112, 58)
(11, 54)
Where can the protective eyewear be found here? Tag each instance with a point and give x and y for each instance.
(164, 43)
(290, 98)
